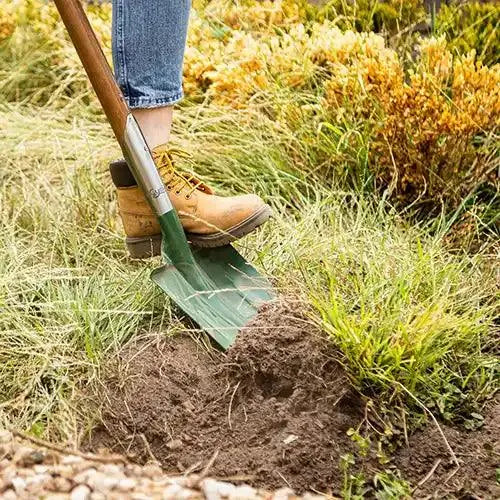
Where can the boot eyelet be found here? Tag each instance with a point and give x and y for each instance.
(169, 188)
(177, 193)
(188, 197)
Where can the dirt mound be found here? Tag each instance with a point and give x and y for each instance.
(276, 406)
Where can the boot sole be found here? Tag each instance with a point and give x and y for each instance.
(150, 246)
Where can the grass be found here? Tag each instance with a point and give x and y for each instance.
(404, 312)
(68, 297)
(398, 305)
(414, 322)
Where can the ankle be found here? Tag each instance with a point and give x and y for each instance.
(155, 124)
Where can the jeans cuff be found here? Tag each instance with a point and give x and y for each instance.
(154, 102)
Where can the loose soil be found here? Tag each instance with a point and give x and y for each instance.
(273, 411)
(478, 453)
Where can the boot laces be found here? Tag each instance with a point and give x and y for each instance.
(171, 177)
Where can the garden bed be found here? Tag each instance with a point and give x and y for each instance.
(273, 412)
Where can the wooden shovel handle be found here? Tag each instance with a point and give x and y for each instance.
(95, 64)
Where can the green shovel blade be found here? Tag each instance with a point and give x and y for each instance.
(216, 287)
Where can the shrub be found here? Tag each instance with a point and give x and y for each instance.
(472, 26)
(426, 133)
(433, 131)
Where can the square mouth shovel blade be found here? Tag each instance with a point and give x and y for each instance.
(232, 295)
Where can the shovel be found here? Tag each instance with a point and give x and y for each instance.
(216, 287)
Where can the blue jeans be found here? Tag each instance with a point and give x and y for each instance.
(149, 38)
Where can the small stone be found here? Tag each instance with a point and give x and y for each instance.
(64, 471)
(84, 476)
(31, 458)
(184, 481)
(171, 492)
(9, 495)
(126, 484)
(210, 489)
(151, 470)
(174, 444)
(225, 489)
(19, 484)
(61, 484)
(9, 473)
(36, 481)
(97, 495)
(133, 470)
(283, 494)
(40, 469)
(290, 439)
(21, 453)
(140, 496)
(4, 464)
(243, 492)
(81, 492)
(102, 482)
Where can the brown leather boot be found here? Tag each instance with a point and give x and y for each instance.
(209, 220)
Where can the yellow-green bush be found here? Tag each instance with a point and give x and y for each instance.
(432, 129)
(7, 26)
(472, 26)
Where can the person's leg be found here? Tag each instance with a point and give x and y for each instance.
(149, 39)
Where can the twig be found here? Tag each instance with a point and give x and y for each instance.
(191, 468)
(450, 449)
(233, 478)
(231, 405)
(68, 451)
(427, 476)
(284, 478)
(148, 448)
(451, 474)
(206, 470)
(405, 430)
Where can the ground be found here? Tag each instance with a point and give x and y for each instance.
(30, 468)
(274, 411)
